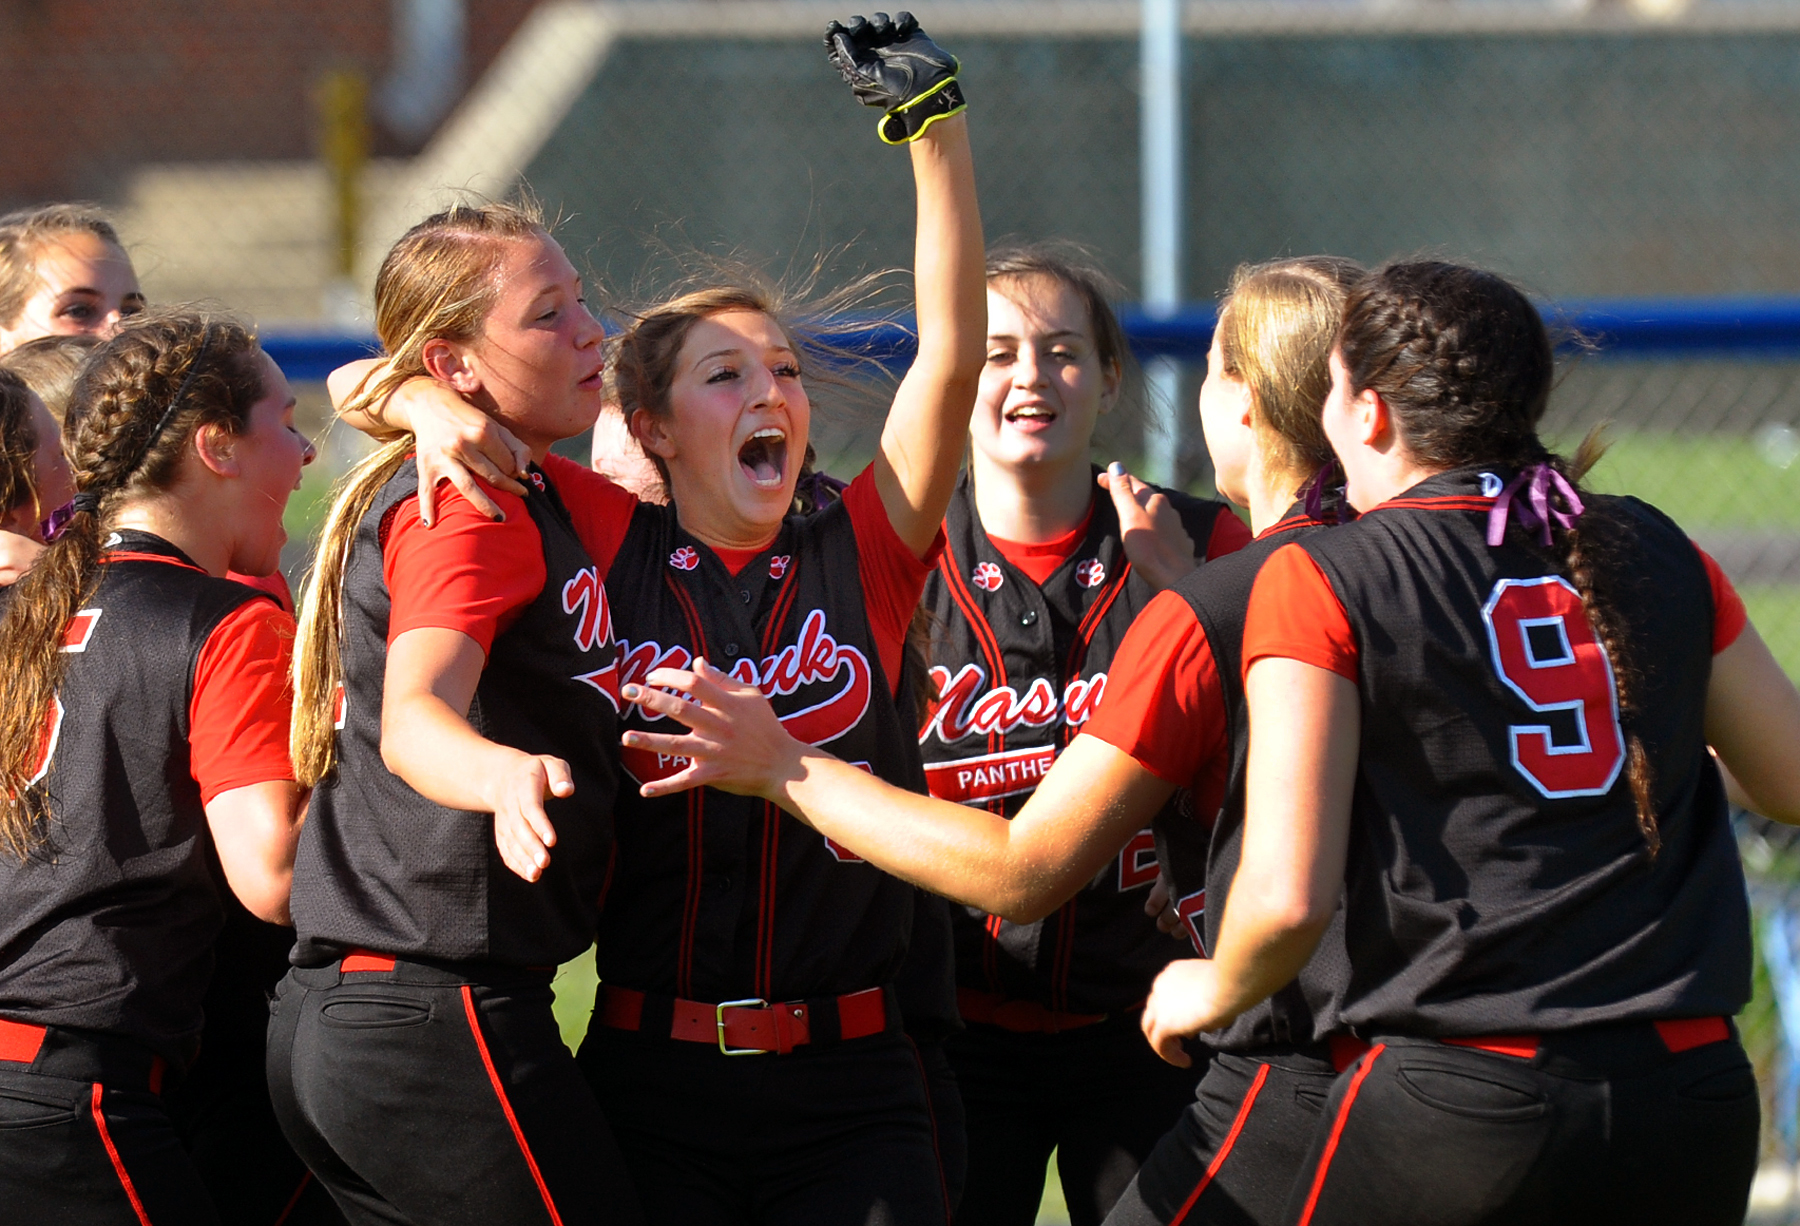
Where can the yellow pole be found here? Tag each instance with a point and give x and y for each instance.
(343, 102)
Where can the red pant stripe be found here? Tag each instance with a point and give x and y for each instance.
(112, 1151)
(1337, 1130)
(1237, 1126)
(512, 1120)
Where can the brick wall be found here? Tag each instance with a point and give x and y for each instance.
(91, 88)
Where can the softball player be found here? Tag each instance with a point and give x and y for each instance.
(1027, 607)
(453, 706)
(143, 746)
(67, 283)
(724, 929)
(1169, 723)
(1511, 684)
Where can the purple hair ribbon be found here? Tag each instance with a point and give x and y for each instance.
(52, 527)
(1315, 491)
(1534, 509)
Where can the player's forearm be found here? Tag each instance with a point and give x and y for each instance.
(949, 282)
(436, 753)
(922, 441)
(962, 853)
(345, 383)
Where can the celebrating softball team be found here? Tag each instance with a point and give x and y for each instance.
(1367, 864)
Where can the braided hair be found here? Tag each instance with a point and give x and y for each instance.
(1465, 365)
(141, 398)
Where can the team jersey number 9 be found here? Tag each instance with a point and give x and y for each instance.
(1545, 651)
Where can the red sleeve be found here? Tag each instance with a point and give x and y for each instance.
(466, 572)
(1729, 615)
(1229, 534)
(238, 716)
(892, 579)
(1295, 614)
(275, 585)
(600, 509)
(1163, 704)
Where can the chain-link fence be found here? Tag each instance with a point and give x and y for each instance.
(1587, 149)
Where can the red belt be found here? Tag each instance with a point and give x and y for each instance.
(1677, 1034)
(20, 1041)
(747, 1027)
(1018, 1016)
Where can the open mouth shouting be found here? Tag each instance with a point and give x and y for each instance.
(763, 457)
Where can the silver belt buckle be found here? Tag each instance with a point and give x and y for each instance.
(719, 1014)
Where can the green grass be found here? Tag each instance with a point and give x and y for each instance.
(1703, 481)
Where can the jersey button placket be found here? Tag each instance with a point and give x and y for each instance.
(1028, 617)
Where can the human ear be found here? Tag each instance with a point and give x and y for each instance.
(1111, 377)
(652, 435)
(450, 363)
(217, 448)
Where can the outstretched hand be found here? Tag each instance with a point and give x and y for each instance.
(736, 743)
(1159, 547)
(522, 829)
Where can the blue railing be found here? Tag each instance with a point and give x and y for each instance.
(1617, 327)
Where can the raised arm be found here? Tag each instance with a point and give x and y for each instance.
(896, 67)
(1085, 809)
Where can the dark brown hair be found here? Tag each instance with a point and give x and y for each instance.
(51, 365)
(18, 444)
(143, 396)
(1465, 365)
(823, 328)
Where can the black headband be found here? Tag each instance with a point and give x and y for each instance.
(187, 381)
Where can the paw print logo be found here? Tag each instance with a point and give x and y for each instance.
(987, 577)
(685, 558)
(1091, 573)
(537, 479)
(778, 565)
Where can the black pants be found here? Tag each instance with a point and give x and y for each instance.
(222, 1108)
(1234, 1154)
(417, 1095)
(838, 1135)
(86, 1141)
(1098, 1096)
(1602, 1125)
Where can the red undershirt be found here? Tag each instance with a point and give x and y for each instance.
(1040, 560)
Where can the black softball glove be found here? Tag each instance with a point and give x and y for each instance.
(895, 65)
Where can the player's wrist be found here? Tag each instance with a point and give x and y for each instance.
(920, 116)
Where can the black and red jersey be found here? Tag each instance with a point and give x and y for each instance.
(176, 691)
(1498, 881)
(719, 897)
(1020, 666)
(1201, 856)
(380, 867)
